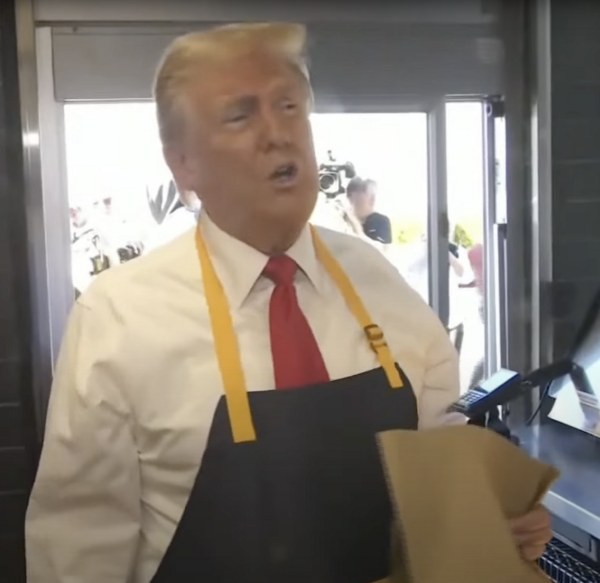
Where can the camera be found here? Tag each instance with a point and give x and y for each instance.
(128, 252)
(331, 175)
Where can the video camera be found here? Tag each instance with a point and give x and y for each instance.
(129, 252)
(100, 261)
(331, 175)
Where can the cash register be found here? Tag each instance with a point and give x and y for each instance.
(569, 437)
(564, 430)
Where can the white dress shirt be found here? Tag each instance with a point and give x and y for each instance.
(137, 383)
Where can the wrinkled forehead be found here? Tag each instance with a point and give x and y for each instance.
(235, 76)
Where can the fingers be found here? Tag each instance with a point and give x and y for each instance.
(534, 541)
(537, 519)
(532, 553)
(532, 533)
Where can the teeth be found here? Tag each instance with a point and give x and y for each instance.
(283, 171)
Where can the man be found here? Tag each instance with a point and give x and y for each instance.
(362, 194)
(167, 456)
(93, 241)
(475, 255)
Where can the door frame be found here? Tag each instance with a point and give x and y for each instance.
(48, 187)
(495, 241)
(438, 266)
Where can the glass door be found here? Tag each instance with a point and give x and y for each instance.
(388, 153)
(122, 200)
(477, 211)
(120, 204)
(402, 159)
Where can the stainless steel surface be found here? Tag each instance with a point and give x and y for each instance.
(491, 258)
(55, 193)
(541, 244)
(411, 11)
(437, 210)
(355, 66)
(501, 292)
(518, 276)
(501, 239)
(36, 220)
(575, 497)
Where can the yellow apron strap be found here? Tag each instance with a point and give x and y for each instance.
(226, 347)
(373, 332)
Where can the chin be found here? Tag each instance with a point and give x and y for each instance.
(290, 213)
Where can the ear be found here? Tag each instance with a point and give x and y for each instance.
(180, 167)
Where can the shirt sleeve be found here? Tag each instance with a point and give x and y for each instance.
(441, 386)
(379, 228)
(385, 230)
(83, 518)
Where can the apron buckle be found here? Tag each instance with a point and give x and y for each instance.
(380, 346)
(375, 337)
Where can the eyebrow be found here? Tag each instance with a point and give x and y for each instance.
(243, 101)
(276, 86)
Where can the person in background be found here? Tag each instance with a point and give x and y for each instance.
(458, 273)
(455, 260)
(87, 255)
(216, 402)
(362, 195)
(114, 232)
(475, 255)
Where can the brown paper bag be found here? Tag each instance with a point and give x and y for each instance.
(453, 489)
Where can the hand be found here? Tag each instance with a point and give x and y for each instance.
(532, 532)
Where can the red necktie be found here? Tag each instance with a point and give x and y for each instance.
(297, 360)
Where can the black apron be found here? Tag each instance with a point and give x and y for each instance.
(291, 487)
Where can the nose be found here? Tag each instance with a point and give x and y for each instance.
(275, 132)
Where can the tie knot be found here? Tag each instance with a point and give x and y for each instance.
(281, 270)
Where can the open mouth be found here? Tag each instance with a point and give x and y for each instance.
(285, 174)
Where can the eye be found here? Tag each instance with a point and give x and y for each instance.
(236, 118)
(289, 106)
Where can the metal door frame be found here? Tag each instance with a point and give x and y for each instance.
(494, 239)
(438, 266)
(43, 131)
(495, 245)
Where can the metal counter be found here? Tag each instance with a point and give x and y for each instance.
(575, 497)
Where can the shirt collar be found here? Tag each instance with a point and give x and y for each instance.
(239, 266)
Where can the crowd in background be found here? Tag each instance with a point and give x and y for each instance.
(102, 239)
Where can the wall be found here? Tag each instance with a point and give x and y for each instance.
(17, 450)
(377, 66)
(575, 120)
(407, 11)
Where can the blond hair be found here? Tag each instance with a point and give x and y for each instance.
(184, 57)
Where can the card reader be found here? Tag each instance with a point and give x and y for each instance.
(501, 388)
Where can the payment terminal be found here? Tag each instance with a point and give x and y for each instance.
(501, 388)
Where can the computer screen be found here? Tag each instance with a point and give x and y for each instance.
(578, 394)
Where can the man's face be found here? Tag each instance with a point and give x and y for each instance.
(363, 202)
(249, 150)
